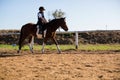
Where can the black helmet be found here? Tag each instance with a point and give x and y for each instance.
(41, 8)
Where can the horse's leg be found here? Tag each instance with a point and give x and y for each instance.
(43, 45)
(31, 43)
(58, 48)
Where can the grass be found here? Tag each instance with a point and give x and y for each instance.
(90, 47)
(97, 47)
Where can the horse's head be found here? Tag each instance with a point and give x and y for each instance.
(63, 24)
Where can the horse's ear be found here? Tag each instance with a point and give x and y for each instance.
(64, 18)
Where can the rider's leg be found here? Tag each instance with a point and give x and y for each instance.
(40, 29)
(38, 32)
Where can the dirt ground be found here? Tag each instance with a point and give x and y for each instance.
(69, 65)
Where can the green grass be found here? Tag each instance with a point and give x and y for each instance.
(97, 47)
(89, 47)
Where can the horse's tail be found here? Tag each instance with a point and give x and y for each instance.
(20, 41)
(21, 35)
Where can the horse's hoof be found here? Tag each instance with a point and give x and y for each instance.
(42, 51)
(32, 52)
(59, 52)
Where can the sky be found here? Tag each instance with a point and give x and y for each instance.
(81, 15)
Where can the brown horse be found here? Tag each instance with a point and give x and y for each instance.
(30, 31)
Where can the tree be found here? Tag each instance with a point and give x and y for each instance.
(58, 14)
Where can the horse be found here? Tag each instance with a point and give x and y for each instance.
(30, 31)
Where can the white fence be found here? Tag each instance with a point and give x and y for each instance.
(76, 37)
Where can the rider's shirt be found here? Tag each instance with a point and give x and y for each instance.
(41, 18)
(40, 15)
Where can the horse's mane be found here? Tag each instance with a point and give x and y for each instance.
(55, 19)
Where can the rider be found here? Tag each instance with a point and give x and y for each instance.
(41, 20)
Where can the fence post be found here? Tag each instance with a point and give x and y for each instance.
(76, 39)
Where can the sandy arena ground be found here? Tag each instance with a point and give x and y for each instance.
(70, 65)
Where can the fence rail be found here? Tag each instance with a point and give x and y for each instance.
(10, 34)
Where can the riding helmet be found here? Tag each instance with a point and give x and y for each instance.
(41, 8)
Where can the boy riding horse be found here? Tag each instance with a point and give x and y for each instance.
(41, 20)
